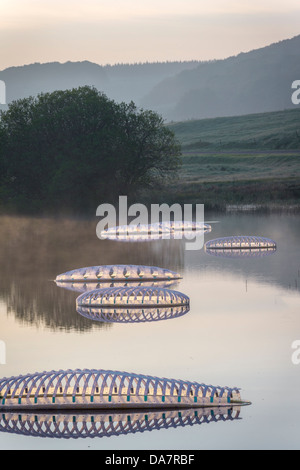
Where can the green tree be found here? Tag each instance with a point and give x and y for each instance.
(75, 149)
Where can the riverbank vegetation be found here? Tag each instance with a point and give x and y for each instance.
(242, 160)
(69, 151)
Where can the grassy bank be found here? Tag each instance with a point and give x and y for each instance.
(241, 160)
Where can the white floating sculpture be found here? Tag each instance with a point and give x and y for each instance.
(117, 273)
(155, 231)
(132, 297)
(240, 242)
(107, 389)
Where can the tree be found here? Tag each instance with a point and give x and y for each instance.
(74, 149)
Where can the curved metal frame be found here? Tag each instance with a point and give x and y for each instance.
(136, 296)
(239, 242)
(107, 386)
(119, 272)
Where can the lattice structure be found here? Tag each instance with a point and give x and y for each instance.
(132, 297)
(117, 273)
(74, 426)
(93, 388)
(240, 242)
(134, 315)
(150, 232)
(160, 227)
(240, 253)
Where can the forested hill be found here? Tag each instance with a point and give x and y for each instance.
(121, 82)
(255, 82)
(258, 81)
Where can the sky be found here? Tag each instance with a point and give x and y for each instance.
(130, 31)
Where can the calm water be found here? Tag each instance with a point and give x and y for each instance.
(244, 317)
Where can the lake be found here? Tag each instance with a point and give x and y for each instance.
(243, 320)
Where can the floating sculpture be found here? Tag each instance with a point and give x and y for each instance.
(117, 273)
(132, 297)
(106, 389)
(148, 232)
(240, 253)
(114, 423)
(132, 315)
(240, 243)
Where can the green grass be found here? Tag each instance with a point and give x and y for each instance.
(251, 159)
(267, 131)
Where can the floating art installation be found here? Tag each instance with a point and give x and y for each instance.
(148, 232)
(117, 273)
(107, 389)
(240, 253)
(132, 297)
(240, 243)
(113, 423)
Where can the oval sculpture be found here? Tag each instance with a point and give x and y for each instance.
(109, 273)
(159, 227)
(155, 231)
(240, 242)
(107, 389)
(132, 297)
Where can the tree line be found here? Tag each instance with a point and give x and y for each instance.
(74, 149)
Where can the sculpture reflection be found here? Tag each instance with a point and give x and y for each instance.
(106, 424)
(133, 315)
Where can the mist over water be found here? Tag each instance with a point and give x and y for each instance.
(243, 319)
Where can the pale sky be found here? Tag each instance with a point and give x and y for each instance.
(129, 31)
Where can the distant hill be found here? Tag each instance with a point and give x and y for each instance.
(121, 82)
(254, 82)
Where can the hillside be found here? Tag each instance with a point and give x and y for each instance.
(121, 82)
(254, 82)
(263, 131)
(252, 159)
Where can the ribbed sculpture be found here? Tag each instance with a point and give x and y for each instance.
(114, 423)
(132, 297)
(155, 231)
(240, 243)
(117, 273)
(105, 389)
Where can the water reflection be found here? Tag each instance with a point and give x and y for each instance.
(240, 253)
(133, 315)
(34, 250)
(88, 286)
(91, 425)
